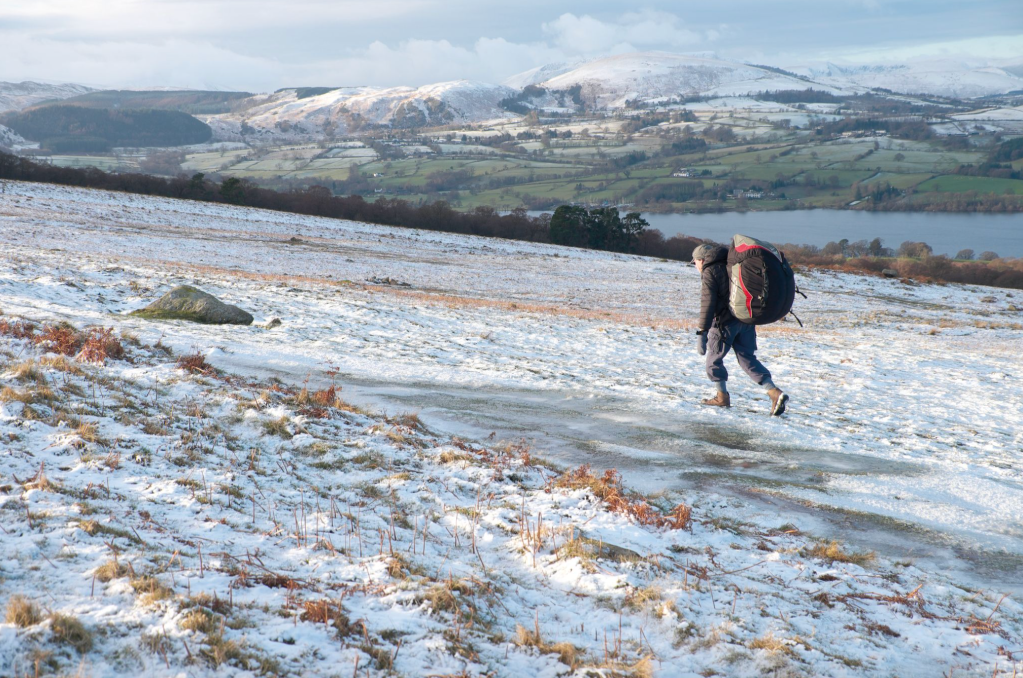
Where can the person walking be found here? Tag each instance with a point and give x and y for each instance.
(718, 332)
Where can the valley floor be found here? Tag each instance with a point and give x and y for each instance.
(244, 518)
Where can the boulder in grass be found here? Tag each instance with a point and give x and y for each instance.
(187, 303)
(890, 273)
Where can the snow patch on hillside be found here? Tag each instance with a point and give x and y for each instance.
(14, 96)
(644, 76)
(944, 77)
(11, 139)
(283, 114)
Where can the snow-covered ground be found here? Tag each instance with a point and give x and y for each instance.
(903, 437)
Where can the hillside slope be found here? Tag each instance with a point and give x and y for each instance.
(220, 500)
(650, 76)
(14, 96)
(943, 77)
(288, 114)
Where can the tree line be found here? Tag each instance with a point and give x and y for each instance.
(614, 233)
(70, 129)
(600, 228)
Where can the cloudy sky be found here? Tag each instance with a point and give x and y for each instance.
(262, 45)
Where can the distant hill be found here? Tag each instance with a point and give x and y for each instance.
(940, 76)
(15, 96)
(186, 101)
(656, 76)
(612, 81)
(311, 112)
(67, 129)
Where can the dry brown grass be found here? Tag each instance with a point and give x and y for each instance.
(22, 612)
(200, 620)
(218, 651)
(639, 599)
(39, 481)
(329, 613)
(771, 644)
(99, 345)
(151, 590)
(644, 668)
(31, 396)
(17, 329)
(278, 427)
(61, 338)
(568, 654)
(28, 371)
(608, 488)
(110, 571)
(61, 364)
(70, 631)
(196, 364)
(833, 552)
(318, 404)
(89, 433)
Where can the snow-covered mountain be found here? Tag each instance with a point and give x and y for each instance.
(9, 138)
(288, 113)
(944, 77)
(609, 82)
(14, 96)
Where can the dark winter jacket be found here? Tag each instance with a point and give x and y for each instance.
(714, 289)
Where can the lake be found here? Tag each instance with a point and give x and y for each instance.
(946, 233)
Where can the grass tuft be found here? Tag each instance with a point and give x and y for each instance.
(17, 329)
(99, 345)
(328, 613)
(200, 620)
(22, 612)
(771, 644)
(70, 631)
(61, 338)
(110, 571)
(278, 427)
(834, 553)
(568, 654)
(151, 590)
(196, 364)
(609, 489)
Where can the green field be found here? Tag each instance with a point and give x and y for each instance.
(962, 184)
(601, 162)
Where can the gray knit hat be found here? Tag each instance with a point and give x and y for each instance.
(701, 252)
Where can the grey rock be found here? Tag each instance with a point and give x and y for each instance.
(272, 323)
(890, 273)
(188, 303)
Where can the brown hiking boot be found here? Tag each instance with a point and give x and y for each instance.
(778, 400)
(720, 400)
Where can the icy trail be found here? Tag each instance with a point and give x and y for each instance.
(904, 429)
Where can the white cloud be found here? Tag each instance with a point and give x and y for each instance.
(996, 48)
(587, 35)
(260, 45)
(166, 63)
(139, 56)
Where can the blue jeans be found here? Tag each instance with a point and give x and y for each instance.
(741, 338)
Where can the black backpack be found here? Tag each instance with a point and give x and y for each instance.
(761, 283)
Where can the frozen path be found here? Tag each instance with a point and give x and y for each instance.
(904, 432)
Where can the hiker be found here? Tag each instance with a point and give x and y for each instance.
(719, 331)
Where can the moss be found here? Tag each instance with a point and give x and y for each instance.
(163, 314)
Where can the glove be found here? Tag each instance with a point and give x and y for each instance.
(701, 343)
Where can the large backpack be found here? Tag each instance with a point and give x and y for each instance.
(761, 284)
